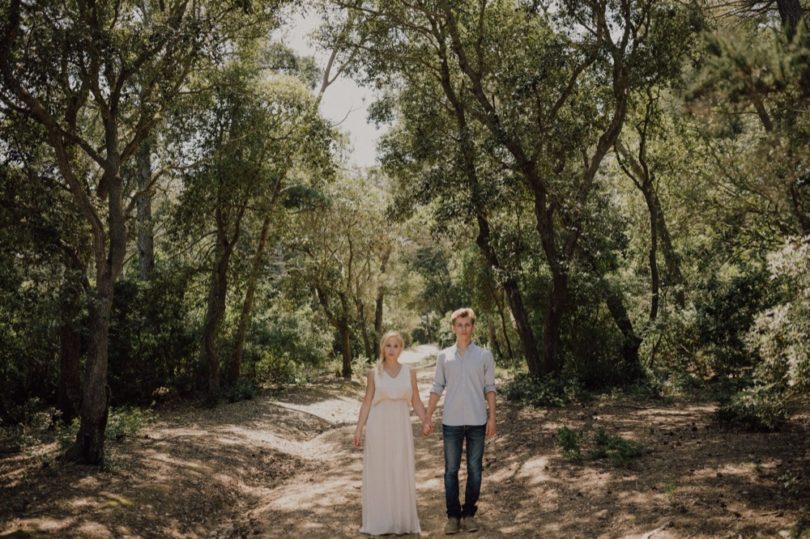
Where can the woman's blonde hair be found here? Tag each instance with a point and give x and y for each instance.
(385, 337)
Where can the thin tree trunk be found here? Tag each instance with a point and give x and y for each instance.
(345, 334)
(380, 300)
(504, 327)
(146, 241)
(245, 317)
(215, 310)
(653, 255)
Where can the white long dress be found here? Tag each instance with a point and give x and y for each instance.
(389, 474)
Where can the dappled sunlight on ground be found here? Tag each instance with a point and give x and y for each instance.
(282, 465)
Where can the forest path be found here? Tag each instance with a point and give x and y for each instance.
(282, 465)
(324, 500)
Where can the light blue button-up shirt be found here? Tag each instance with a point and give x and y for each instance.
(467, 378)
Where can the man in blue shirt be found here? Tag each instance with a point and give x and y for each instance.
(467, 372)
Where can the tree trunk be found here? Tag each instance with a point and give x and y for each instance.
(504, 328)
(653, 255)
(643, 179)
(215, 314)
(631, 342)
(69, 390)
(552, 363)
(361, 317)
(235, 364)
(346, 349)
(89, 447)
(146, 240)
(791, 13)
(379, 301)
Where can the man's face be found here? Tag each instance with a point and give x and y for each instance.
(463, 327)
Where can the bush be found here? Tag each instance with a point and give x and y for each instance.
(621, 452)
(547, 392)
(601, 445)
(568, 440)
(759, 408)
(781, 335)
(286, 342)
(243, 390)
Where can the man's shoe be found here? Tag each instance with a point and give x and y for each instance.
(469, 524)
(451, 527)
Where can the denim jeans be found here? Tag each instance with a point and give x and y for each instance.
(454, 437)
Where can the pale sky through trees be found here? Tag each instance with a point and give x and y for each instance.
(344, 101)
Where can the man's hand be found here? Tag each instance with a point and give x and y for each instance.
(491, 430)
(427, 428)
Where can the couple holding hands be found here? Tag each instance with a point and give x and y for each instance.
(467, 372)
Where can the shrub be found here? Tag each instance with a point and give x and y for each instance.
(621, 452)
(244, 389)
(546, 392)
(601, 445)
(568, 440)
(781, 335)
(758, 408)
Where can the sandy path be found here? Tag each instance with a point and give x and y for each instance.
(325, 501)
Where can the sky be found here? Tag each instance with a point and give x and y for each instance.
(344, 102)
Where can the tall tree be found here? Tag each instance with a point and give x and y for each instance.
(96, 76)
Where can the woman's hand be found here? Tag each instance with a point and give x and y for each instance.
(358, 440)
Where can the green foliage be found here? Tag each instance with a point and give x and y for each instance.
(600, 445)
(621, 452)
(244, 389)
(547, 392)
(287, 340)
(780, 335)
(151, 341)
(757, 408)
(123, 422)
(568, 441)
(725, 311)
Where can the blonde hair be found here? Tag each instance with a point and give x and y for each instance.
(384, 338)
(464, 312)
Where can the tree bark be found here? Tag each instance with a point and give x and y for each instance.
(791, 13)
(245, 317)
(380, 299)
(217, 295)
(630, 342)
(146, 239)
(504, 327)
(344, 327)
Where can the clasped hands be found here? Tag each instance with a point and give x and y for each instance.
(427, 428)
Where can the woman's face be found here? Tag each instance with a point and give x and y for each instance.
(392, 348)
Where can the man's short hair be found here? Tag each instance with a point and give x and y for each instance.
(464, 312)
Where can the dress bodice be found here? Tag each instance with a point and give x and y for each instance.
(387, 387)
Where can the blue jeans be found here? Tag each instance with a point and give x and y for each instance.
(453, 439)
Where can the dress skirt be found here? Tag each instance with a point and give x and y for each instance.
(389, 475)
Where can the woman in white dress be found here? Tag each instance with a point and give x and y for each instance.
(389, 475)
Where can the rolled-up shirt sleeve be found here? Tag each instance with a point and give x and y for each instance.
(439, 380)
(489, 373)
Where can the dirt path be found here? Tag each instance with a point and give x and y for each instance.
(282, 465)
